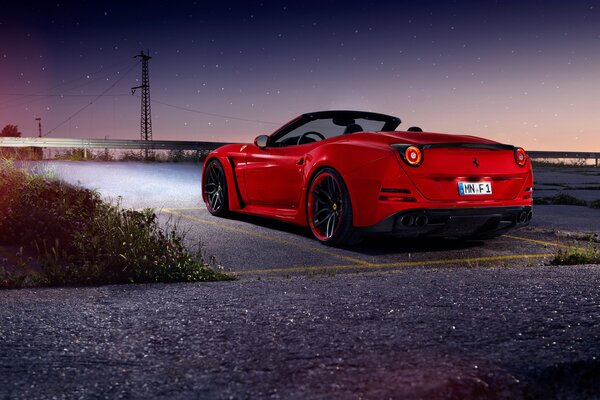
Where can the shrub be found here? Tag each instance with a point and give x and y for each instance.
(106, 155)
(130, 155)
(202, 155)
(177, 156)
(35, 207)
(573, 255)
(21, 153)
(75, 155)
(82, 240)
(10, 131)
(124, 246)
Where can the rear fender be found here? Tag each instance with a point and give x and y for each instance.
(360, 166)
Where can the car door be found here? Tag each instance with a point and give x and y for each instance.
(273, 175)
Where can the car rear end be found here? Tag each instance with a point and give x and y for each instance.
(475, 188)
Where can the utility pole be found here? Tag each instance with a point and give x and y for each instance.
(39, 120)
(146, 122)
(39, 151)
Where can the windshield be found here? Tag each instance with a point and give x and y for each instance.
(325, 125)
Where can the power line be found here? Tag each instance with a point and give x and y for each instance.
(215, 115)
(93, 101)
(87, 82)
(65, 95)
(38, 97)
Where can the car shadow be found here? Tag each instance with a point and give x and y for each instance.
(371, 245)
(381, 245)
(271, 224)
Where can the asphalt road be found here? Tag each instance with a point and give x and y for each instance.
(448, 333)
(387, 319)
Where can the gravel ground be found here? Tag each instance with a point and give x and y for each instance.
(418, 333)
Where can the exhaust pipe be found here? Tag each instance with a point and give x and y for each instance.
(407, 220)
(529, 216)
(421, 221)
(522, 217)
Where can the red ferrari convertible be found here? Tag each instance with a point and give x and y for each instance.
(347, 174)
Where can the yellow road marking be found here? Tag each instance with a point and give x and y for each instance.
(358, 265)
(535, 241)
(372, 266)
(267, 237)
(462, 260)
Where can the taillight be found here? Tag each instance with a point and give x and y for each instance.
(520, 157)
(410, 154)
(413, 156)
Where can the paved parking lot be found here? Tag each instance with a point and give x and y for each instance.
(250, 246)
(435, 319)
(263, 247)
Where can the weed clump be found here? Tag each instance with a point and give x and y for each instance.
(82, 240)
(561, 198)
(574, 255)
(33, 207)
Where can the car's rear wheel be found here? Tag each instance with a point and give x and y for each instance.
(329, 209)
(214, 188)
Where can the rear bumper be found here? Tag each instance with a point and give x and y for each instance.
(452, 222)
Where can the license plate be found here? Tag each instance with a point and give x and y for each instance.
(471, 188)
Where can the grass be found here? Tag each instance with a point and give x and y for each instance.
(23, 153)
(81, 154)
(131, 155)
(81, 240)
(562, 163)
(575, 255)
(75, 155)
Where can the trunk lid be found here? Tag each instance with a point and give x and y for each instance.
(453, 171)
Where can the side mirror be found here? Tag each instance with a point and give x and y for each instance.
(261, 141)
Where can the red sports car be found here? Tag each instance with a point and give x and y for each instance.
(347, 174)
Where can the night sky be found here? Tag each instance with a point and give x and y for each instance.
(520, 72)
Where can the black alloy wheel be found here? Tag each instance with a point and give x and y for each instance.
(329, 210)
(214, 188)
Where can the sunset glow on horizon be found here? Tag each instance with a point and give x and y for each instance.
(524, 73)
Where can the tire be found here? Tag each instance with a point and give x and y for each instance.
(329, 209)
(214, 189)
